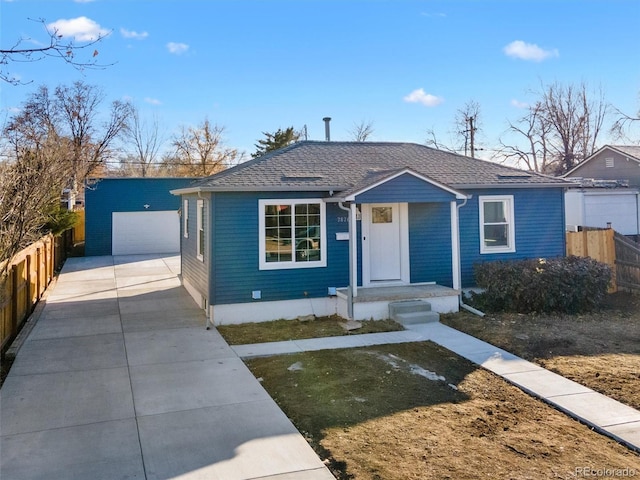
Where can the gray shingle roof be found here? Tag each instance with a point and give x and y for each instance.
(349, 166)
(631, 150)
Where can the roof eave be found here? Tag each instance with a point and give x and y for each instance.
(259, 188)
(477, 186)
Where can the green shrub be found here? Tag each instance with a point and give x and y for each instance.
(59, 220)
(570, 285)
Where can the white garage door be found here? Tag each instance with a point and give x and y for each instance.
(145, 232)
(619, 209)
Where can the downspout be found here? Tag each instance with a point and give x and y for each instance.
(351, 260)
(463, 305)
(638, 215)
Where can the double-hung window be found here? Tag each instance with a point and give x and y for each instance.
(292, 234)
(200, 228)
(497, 224)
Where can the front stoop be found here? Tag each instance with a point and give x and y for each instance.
(411, 312)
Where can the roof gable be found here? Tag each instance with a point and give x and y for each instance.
(400, 181)
(632, 152)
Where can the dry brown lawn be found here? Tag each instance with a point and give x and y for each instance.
(600, 350)
(418, 411)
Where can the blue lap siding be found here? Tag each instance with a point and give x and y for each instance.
(235, 270)
(405, 188)
(430, 243)
(195, 270)
(232, 221)
(539, 223)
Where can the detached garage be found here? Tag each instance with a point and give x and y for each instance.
(127, 216)
(618, 208)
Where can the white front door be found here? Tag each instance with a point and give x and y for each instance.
(385, 243)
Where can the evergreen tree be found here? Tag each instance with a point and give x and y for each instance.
(274, 141)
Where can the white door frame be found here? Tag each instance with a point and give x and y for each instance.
(405, 277)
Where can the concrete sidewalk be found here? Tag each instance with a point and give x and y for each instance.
(605, 415)
(119, 379)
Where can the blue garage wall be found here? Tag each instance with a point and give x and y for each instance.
(540, 228)
(235, 253)
(110, 195)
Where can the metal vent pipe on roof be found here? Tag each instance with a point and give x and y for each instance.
(327, 128)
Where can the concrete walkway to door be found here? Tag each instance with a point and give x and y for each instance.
(119, 379)
(602, 413)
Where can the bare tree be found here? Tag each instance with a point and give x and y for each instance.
(52, 143)
(432, 141)
(31, 180)
(201, 151)
(77, 109)
(466, 126)
(55, 47)
(560, 130)
(146, 142)
(361, 131)
(623, 124)
(534, 131)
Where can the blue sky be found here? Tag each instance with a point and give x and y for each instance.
(405, 65)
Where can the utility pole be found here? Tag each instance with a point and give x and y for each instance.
(472, 131)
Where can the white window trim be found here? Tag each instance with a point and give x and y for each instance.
(263, 264)
(185, 218)
(509, 210)
(199, 228)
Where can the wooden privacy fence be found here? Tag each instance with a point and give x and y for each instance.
(78, 228)
(627, 263)
(614, 249)
(29, 274)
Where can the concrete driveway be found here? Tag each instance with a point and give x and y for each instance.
(119, 379)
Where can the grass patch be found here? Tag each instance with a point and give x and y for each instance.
(418, 411)
(282, 330)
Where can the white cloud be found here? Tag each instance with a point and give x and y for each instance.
(519, 104)
(426, 99)
(152, 101)
(177, 48)
(84, 1)
(82, 28)
(529, 51)
(133, 34)
(433, 15)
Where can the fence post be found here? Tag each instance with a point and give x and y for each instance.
(38, 272)
(52, 249)
(29, 299)
(14, 300)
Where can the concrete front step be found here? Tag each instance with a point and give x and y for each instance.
(411, 312)
(417, 317)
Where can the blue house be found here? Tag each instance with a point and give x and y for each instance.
(344, 227)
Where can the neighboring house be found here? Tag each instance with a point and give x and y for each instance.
(132, 216)
(606, 191)
(326, 227)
